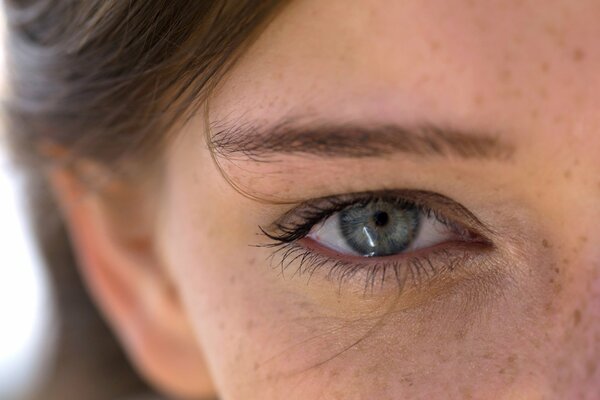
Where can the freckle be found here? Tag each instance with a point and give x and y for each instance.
(567, 174)
(535, 113)
(545, 66)
(435, 45)
(545, 243)
(466, 393)
(505, 75)
(249, 324)
(251, 261)
(460, 334)
(557, 270)
(372, 369)
(232, 279)
(558, 288)
(565, 261)
(511, 359)
(479, 99)
(583, 239)
(591, 367)
(578, 55)
(576, 317)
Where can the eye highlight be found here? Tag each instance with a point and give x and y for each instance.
(410, 235)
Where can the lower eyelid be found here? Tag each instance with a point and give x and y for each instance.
(418, 271)
(312, 245)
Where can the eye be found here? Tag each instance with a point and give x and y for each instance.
(381, 228)
(403, 234)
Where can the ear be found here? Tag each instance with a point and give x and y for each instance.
(113, 235)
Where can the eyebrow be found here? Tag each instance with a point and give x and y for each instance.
(330, 140)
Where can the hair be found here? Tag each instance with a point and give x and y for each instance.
(107, 80)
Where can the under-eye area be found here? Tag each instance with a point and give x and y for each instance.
(373, 241)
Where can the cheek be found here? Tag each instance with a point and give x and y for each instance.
(265, 341)
(268, 338)
(264, 337)
(576, 328)
(258, 337)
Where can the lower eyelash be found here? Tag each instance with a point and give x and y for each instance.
(405, 272)
(292, 249)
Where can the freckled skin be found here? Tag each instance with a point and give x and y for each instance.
(528, 327)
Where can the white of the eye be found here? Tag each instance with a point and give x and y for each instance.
(328, 233)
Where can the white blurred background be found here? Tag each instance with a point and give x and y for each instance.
(27, 331)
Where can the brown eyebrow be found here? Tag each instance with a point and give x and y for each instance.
(252, 142)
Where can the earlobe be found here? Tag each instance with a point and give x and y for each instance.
(113, 241)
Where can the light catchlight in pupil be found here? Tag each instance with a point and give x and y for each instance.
(379, 228)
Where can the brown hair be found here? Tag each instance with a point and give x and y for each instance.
(105, 80)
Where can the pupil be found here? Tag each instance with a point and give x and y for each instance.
(381, 218)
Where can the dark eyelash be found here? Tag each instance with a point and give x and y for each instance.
(285, 234)
(288, 230)
(414, 270)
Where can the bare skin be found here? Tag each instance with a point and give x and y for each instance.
(520, 321)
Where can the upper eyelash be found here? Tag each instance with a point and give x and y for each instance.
(285, 233)
(308, 214)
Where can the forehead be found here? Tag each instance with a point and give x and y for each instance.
(508, 65)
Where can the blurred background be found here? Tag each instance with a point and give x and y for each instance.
(27, 332)
(53, 343)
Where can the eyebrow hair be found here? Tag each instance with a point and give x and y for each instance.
(352, 140)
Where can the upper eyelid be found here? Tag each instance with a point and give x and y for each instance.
(418, 197)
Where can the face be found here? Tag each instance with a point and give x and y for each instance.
(403, 203)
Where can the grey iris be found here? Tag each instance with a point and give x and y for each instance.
(379, 228)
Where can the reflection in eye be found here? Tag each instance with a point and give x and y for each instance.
(380, 228)
(406, 234)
